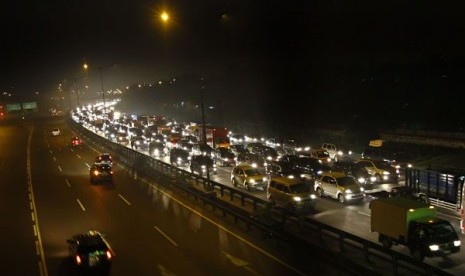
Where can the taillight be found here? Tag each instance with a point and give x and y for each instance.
(109, 254)
(78, 260)
(111, 172)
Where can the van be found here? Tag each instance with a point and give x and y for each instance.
(290, 193)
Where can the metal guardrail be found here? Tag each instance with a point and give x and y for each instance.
(152, 168)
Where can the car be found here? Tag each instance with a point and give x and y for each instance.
(104, 158)
(122, 138)
(409, 192)
(252, 159)
(321, 154)
(157, 149)
(359, 172)
(238, 148)
(224, 157)
(179, 157)
(56, 132)
(139, 143)
(331, 149)
(284, 169)
(382, 170)
(201, 163)
(202, 149)
(76, 141)
(339, 186)
(310, 167)
(290, 193)
(90, 250)
(248, 177)
(101, 173)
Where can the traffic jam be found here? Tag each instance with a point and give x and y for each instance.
(288, 174)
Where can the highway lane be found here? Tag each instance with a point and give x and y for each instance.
(19, 254)
(153, 232)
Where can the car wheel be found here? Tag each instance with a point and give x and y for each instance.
(341, 198)
(319, 192)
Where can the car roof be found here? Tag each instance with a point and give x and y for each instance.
(245, 167)
(334, 174)
(286, 180)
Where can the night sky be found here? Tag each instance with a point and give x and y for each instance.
(355, 62)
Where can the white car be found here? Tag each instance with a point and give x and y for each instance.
(331, 149)
(56, 132)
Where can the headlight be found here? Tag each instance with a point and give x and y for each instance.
(96, 172)
(312, 196)
(361, 189)
(265, 179)
(409, 165)
(226, 159)
(373, 178)
(348, 191)
(297, 198)
(350, 152)
(307, 148)
(328, 160)
(457, 243)
(290, 176)
(319, 161)
(340, 153)
(269, 158)
(302, 175)
(361, 180)
(252, 181)
(385, 177)
(386, 173)
(319, 172)
(203, 166)
(254, 165)
(434, 247)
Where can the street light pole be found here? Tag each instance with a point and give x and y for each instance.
(103, 92)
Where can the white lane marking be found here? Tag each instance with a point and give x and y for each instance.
(269, 255)
(365, 214)
(125, 200)
(51, 152)
(78, 156)
(71, 150)
(41, 262)
(88, 166)
(33, 217)
(80, 204)
(166, 236)
(54, 159)
(60, 168)
(35, 230)
(67, 183)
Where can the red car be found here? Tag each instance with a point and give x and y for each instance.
(75, 141)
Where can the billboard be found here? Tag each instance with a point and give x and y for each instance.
(13, 107)
(29, 105)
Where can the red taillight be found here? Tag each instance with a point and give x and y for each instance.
(109, 255)
(78, 260)
(111, 172)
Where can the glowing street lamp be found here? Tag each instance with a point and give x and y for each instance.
(164, 16)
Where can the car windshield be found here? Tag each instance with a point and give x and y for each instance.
(441, 231)
(346, 181)
(299, 188)
(322, 154)
(384, 165)
(252, 172)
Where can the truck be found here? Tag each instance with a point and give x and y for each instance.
(444, 186)
(217, 137)
(414, 224)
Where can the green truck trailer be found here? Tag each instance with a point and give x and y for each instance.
(413, 224)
